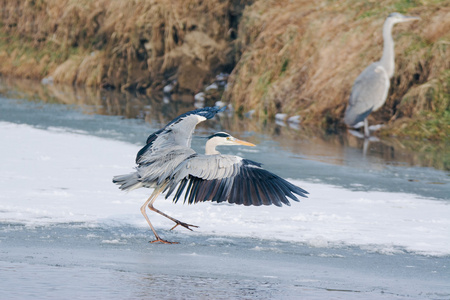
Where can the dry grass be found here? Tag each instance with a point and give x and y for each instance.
(123, 44)
(301, 57)
(296, 57)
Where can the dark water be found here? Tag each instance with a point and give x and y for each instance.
(301, 153)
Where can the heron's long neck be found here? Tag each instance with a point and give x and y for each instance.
(210, 148)
(387, 60)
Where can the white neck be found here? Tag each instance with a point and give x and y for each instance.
(387, 60)
(210, 147)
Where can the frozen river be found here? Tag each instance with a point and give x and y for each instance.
(372, 228)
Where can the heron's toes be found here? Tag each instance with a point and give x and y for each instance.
(159, 240)
(185, 225)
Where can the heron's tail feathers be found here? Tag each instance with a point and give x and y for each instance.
(128, 182)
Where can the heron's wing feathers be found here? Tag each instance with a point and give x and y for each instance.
(157, 167)
(230, 178)
(154, 168)
(369, 93)
(177, 132)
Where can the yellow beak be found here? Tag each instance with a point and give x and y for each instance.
(240, 142)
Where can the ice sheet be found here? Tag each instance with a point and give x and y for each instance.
(53, 176)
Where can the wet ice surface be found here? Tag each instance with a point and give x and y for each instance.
(86, 261)
(67, 230)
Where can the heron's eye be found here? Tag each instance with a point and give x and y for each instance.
(228, 138)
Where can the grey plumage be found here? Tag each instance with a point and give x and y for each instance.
(168, 164)
(230, 178)
(371, 87)
(369, 93)
(164, 150)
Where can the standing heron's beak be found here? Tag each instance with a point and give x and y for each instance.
(240, 142)
(410, 18)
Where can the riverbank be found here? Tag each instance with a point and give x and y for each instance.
(296, 58)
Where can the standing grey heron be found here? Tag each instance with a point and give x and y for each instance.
(167, 161)
(371, 87)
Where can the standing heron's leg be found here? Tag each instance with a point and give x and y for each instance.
(365, 146)
(366, 128)
(149, 202)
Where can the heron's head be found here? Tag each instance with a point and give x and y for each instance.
(222, 138)
(399, 18)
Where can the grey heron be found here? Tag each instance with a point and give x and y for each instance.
(167, 161)
(371, 87)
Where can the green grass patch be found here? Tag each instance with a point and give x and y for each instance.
(284, 66)
(433, 122)
(405, 5)
(264, 82)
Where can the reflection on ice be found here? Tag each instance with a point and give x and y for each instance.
(310, 143)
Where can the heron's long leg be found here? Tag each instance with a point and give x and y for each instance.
(149, 202)
(366, 128)
(185, 225)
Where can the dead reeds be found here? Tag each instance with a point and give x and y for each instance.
(121, 44)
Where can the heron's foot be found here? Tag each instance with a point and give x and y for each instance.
(373, 139)
(160, 240)
(185, 225)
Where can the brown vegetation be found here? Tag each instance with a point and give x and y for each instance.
(123, 44)
(295, 57)
(302, 57)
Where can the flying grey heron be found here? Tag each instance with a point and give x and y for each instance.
(371, 87)
(167, 161)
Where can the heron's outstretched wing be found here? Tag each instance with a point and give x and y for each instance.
(369, 93)
(155, 168)
(177, 132)
(230, 178)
